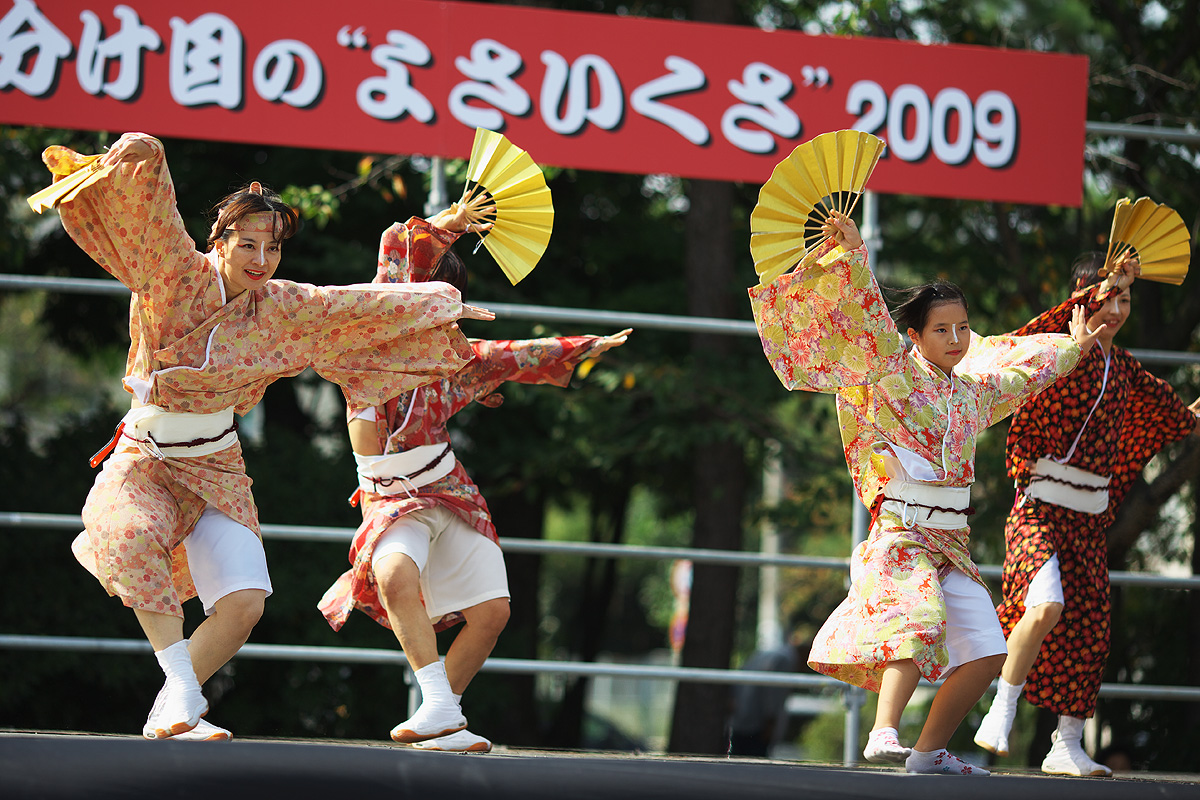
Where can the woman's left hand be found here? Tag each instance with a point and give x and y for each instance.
(606, 343)
(131, 148)
(476, 312)
(1079, 330)
(465, 215)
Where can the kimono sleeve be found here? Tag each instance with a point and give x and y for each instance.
(128, 222)
(1012, 369)
(1156, 412)
(1057, 319)
(825, 326)
(409, 251)
(379, 341)
(550, 360)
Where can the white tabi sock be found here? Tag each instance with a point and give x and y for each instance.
(997, 723)
(182, 701)
(439, 713)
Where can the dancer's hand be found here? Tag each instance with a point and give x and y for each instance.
(475, 312)
(1079, 330)
(1124, 270)
(457, 218)
(606, 343)
(131, 148)
(842, 230)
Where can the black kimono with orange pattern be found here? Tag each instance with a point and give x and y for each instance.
(1136, 416)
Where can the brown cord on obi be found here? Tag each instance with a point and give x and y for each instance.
(437, 460)
(1084, 487)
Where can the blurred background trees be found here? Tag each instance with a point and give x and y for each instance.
(660, 442)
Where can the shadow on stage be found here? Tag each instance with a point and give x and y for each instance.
(48, 766)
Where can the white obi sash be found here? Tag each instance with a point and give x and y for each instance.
(404, 472)
(1069, 487)
(172, 434)
(944, 508)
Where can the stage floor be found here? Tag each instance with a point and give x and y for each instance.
(72, 765)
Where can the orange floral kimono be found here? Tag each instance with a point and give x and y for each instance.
(194, 350)
(825, 327)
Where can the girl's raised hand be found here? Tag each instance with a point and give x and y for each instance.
(1079, 330)
(842, 230)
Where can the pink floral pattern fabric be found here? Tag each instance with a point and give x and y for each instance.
(408, 253)
(193, 350)
(825, 327)
(534, 361)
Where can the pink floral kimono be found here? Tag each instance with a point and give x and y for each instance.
(420, 418)
(193, 350)
(825, 327)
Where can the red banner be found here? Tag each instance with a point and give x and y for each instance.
(588, 91)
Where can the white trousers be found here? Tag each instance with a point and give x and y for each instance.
(224, 557)
(972, 628)
(459, 566)
(1046, 586)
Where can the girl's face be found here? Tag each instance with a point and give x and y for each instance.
(1113, 313)
(247, 260)
(946, 336)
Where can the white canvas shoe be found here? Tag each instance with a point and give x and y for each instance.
(203, 732)
(430, 722)
(1066, 756)
(459, 742)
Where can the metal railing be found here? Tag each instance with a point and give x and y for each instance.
(590, 316)
(305, 533)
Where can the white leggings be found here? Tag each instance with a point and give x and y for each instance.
(224, 557)
(1046, 586)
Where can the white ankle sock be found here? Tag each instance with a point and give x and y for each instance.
(941, 762)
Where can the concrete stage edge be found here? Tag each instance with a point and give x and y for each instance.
(51, 766)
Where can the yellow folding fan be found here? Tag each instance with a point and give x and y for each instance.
(827, 173)
(66, 189)
(1155, 234)
(507, 189)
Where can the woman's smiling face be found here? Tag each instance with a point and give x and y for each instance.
(946, 336)
(248, 259)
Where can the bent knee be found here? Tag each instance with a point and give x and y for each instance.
(397, 579)
(1045, 615)
(242, 608)
(492, 615)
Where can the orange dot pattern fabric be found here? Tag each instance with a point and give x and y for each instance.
(1136, 417)
(192, 349)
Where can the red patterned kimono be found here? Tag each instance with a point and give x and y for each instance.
(194, 350)
(409, 255)
(1138, 415)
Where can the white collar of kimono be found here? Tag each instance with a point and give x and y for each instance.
(211, 257)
